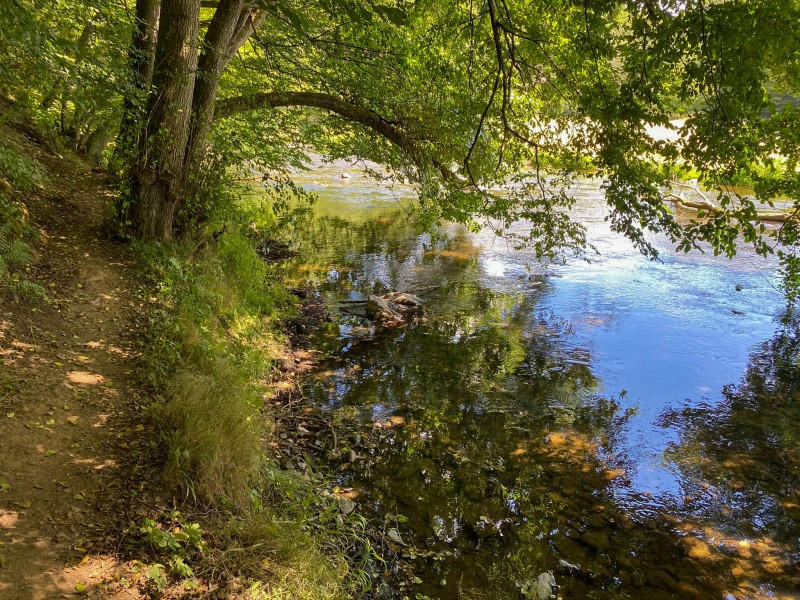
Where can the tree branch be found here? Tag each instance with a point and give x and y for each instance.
(352, 112)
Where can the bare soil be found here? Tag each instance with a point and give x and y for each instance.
(72, 429)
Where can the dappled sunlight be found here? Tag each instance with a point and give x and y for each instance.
(8, 519)
(85, 378)
(24, 346)
(102, 420)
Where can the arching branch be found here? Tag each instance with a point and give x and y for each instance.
(348, 110)
(352, 112)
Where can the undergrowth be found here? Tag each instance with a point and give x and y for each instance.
(18, 173)
(212, 341)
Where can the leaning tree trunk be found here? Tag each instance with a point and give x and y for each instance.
(214, 57)
(158, 176)
(97, 140)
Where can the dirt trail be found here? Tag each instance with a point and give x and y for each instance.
(68, 422)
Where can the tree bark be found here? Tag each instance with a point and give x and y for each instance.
(141, 58)
(157, 182)
(214, 57)
(97, 141)
(232, 25)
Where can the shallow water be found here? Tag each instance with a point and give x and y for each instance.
(632, 426)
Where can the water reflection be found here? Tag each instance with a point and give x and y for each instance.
(740, 465)
(574, 419)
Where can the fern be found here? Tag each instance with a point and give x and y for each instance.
(15, 254)
(21, 171)
(28, 288)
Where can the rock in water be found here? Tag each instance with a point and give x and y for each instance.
(394, 536)
(404, 299)
(393, 309)
(346, 506)
(540, 588)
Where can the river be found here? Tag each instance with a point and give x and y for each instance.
(632, 426)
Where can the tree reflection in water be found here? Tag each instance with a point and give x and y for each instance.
(485, 427)
(740, 462)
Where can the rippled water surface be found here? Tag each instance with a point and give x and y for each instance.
(631, 426)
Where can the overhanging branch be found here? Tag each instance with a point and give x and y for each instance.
(348, 110)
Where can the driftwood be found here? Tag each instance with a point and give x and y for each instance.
(709, 207)
(393, 309)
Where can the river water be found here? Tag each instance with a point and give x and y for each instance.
(631, 426)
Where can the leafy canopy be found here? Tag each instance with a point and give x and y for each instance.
(492, 107)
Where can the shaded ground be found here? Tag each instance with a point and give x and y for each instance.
(69, 430)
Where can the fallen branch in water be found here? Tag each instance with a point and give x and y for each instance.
(711, 208)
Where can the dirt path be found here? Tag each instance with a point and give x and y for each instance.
(68, 420)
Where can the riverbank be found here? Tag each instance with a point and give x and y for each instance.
(140, 453)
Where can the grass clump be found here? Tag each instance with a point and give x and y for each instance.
(215, 430)
(211, 340)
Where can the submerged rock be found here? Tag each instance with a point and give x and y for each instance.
(384, 314)
(404, 299)
(661, 579)
(596, 540)
(541, 588)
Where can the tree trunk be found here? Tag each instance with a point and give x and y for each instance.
(141, 58)
(97, 141)
(213, 60)
(157, 182)
(228, 30)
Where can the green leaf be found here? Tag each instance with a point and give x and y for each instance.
(392, 14)
(155, 573)
(294, 18)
